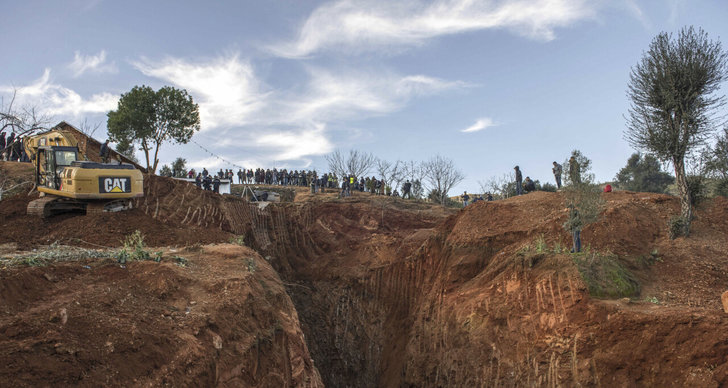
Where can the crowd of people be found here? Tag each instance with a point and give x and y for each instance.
(347, 184)
(11, 148)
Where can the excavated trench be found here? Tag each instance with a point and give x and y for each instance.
(393, 295)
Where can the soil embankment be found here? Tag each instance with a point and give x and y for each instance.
(388, 293)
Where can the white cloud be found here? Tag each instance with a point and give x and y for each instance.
(225, 88)
(370, 24)
(91, 63)
(350, 94)
(480, 125)
(240, 111)
(58, 100)
(292, 145)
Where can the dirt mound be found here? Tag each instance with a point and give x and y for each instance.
(224, 319)
(106, 229)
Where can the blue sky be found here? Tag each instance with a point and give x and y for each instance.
(489, 84)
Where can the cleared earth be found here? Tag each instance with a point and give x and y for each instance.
(366, 291)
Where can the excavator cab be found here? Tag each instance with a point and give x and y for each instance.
(50, 164)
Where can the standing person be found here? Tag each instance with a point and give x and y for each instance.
(204, 173)
(198, 181)
(406, 190)
(557, 170)
(465, 197)
(17, 151)
(2, 145)
(240, 176)
(574, 224)
(216, 185)
(104, 152)
(574, 171)
(519, 180)
(9, 147)
(207, 182)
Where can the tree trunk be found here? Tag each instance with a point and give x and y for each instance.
(686, 210)
(146, 155)
(156, 159)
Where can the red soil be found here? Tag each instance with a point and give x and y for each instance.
(389, 293)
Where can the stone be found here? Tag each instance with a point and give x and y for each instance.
(724, 299)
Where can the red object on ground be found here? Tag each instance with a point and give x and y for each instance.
(608, 188)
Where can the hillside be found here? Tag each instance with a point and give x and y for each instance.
(367, 291)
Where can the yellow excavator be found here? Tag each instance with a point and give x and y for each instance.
(67, 184)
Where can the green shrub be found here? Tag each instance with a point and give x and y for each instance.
(676, 227)
(606, 276)
(721, 187)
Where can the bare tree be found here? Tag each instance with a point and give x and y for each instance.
(24, 121)
(383, 168)
(397, 174)
(442, 175)
(390, 173)
(356, 163)
(89, 129)
(500, 187)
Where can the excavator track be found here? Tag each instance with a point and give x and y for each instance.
(41, 206)
(50, 205)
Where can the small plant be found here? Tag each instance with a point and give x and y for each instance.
(252, 265)
(653, 300)
(133, 248)
(237, 240)
(179, 260)
(524, 249)
(677, 227)
(557, 247)
(541, 245)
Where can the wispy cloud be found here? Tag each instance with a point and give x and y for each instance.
(58, 100)
(91, 63)
(287, 124)
(350, 94)
(226, 88)
(480, 125)
(372, 24)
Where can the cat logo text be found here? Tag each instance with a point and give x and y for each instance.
(114, 185)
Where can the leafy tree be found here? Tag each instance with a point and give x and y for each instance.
(151, 118)
(584, 169)
(673, 108)
(643, 173)
(126, 148)
(178, 168)
(442, 175)
(165, 171)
